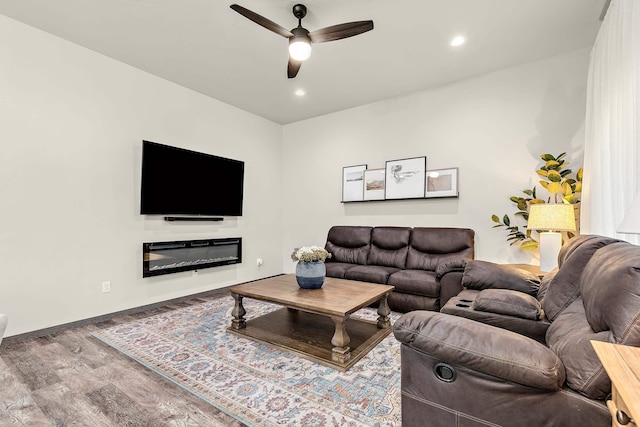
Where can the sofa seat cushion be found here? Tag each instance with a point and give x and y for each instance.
(417, 282)
(370, 273)
(338, 269)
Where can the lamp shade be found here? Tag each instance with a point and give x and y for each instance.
(552, 217)
(631, 222)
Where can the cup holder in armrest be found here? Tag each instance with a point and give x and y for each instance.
(463, 305)
(465, 300)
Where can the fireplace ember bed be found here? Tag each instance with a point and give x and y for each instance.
(185, 255)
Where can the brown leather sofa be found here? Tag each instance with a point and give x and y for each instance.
(458, 371)
(424, 264)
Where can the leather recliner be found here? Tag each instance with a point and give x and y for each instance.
(461, 372)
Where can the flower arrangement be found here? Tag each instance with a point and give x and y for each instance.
(310, 254)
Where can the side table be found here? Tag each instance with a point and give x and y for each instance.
(622, 364)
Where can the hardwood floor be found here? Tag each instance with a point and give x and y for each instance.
(69, 378)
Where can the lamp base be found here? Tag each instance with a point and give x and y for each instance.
(550, 244)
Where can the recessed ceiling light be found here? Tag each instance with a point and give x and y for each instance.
(458, 41)
(300, 92)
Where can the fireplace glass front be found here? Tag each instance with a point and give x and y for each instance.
(172, 257)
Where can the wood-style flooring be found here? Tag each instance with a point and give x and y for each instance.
(69, 378)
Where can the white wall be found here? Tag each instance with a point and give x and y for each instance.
(71, 126)
(493, 128)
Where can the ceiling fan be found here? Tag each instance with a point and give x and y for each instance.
(300, 38)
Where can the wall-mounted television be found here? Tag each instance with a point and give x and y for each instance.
(176, 181)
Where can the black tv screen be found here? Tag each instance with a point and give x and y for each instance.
(180, 181)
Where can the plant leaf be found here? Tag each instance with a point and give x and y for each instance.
(554, 188)
(554, 176)
(579, 174)
(547, 157)
(552, 164)
(545, 184)
(495, 218)
(529, 245)
(506, 220)
(541, 172)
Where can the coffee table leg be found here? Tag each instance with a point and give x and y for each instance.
(383, 314)
(238, 313)
(341, 352)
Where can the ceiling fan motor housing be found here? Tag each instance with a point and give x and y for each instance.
(299, 11)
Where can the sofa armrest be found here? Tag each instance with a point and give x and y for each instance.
(481, 275)
(509, 303)
(451, 266)
(483, 348)
(449, 274)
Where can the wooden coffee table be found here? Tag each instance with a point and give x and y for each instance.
(314, 323)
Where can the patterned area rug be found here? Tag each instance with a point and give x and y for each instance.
(255, 383)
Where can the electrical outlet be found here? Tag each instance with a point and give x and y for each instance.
(106, 287)
(259, 262)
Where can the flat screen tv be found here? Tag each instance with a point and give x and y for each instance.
(176, 181)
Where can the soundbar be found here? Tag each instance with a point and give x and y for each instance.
(193, 218)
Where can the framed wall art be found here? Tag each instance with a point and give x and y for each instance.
(442, 183)
(353, 183)
(374, 180)
(405, 178)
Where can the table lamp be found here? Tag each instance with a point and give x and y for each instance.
(631, 222)
(549, 219)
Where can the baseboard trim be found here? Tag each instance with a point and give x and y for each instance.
(14, 339)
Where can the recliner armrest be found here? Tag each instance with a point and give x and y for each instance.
(483, 348)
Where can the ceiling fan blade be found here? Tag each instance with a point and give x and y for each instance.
(340, 31)
(293, 67)
(261, 20)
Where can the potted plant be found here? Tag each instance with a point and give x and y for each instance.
(562, 186)
(310, 270)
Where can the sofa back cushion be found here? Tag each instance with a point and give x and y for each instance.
(349, 244)
(610, 289)
(431, 246)
(389, 246)
(607, 309)
(564, 288)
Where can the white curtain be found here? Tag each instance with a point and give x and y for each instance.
(612, 146)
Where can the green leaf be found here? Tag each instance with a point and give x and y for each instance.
(515, 199)
(529, 245)
(522, 204)
(579, 174)
(506, 220)
(495, 218)
(529, 193)
(560, 156)
(552, 164)
(547, 157)
(554, 176)
(542, 172)
(565, 172)
(544, 184)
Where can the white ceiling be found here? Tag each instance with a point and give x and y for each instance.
(206, 46)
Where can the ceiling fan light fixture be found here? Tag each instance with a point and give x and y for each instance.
(300, 50)
(300, 44)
